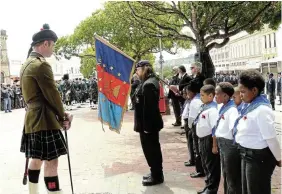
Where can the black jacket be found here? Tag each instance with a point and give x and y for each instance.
(271, 86)
(184, 81)
(147, 115)
(174, 81)
(279, 80)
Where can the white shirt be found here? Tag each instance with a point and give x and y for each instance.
(185, 113)
(255, 128)
(206, 122)
(226, 123)
(194, 109)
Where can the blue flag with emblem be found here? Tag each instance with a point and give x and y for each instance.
(222, 111)
(114, 71)
(258, 101)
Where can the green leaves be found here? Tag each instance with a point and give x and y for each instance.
(116, 24)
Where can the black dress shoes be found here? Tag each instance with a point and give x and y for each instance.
(189, 164)
(197, 175)
(146, 176)
(150, 181)
(176, 124)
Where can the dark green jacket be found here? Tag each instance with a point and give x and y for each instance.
(45, 108)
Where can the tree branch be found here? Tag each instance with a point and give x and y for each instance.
(218, 45)
(241, 28)
(138, 17)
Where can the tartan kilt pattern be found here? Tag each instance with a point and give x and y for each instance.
(43, 145)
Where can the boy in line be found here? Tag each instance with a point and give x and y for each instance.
(207, 144)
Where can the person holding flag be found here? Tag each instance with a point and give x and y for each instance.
(148, 121)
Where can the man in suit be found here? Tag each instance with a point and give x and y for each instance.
(174, 98)
(271, 90)
(42, 138)
(279, 80)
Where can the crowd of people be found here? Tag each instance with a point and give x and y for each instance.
(72, 92)
(78, 91)
(11, 97)
(225, 129)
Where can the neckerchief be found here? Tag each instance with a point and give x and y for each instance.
(223, 110)
(258, 101)
(203, 108)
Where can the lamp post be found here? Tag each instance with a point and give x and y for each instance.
(161, 56)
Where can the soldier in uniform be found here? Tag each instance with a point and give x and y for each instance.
(93, 92)
(67, 92)
(42, 138)
(148, 121)
(271, 90)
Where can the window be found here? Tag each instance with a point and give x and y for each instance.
(269, 38)
(274, 39)
(265, 42)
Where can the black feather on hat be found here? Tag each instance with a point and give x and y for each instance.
(44, 34)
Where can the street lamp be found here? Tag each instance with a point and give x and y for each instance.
(130, 32)
(161, 55)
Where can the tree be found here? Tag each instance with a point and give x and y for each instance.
(211, 23)
(116, 24)
(88, 63)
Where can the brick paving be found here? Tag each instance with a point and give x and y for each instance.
(105, 162)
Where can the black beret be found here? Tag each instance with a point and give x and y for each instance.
(44, 34)
(182, 68)
(66, 77)
(142, 63)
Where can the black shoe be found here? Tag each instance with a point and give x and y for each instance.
(189, 164)
(176, 124)
(197, 175)
(146, 176)
(153, 181)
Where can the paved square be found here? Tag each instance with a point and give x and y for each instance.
(105, 162)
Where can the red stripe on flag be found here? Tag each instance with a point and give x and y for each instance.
(113, 88)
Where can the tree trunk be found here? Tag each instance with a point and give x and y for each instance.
(203, 56)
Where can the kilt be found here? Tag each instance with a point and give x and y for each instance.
(43, 145)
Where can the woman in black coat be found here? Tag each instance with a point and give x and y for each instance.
(148, 121)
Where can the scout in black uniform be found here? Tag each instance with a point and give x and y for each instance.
(148, 121)
(42, 139)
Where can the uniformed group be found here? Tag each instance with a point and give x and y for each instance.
(11, 97)
(78, 91)
(229, 130)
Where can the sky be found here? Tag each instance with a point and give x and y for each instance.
(22, 18)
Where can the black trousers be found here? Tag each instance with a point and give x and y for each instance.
(197, 156)
(189, 139)
(231, 165)
(257, 167)
(152, 151)
(176, 109)
(272, 100)
(211, 164)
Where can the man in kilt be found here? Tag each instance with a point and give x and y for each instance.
(42, 138)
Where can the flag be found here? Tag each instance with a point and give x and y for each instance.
(114, 72)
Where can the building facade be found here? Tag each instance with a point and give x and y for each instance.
(248, 51)
(4, 60)
(64, 66)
